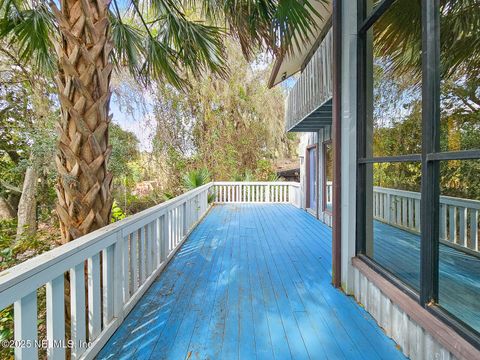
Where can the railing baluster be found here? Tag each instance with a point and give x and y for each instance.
(462, 224)
(25, 326)
(107, 272)
(474, 243)
(443, 222)
(126, 268)
(118, 276)
(94, 307)
(410, 214)
(56, 318)
(452, 223)
(133, 262)
(417, 215)
(148, 252)
(141, 253)
(77, 305)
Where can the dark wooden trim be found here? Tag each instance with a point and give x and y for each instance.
(375, 15)
(454, 155)
(324, 176)
(274, 73)
(391, 159)
(337, 144)
(360, 229)
(307, 173)
(318, 41)
(430, 188)
(444, 334)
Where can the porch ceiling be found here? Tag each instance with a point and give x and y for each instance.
(290, 64)
(316, 120)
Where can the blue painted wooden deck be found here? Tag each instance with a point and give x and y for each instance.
(252, 281)
(459, 279)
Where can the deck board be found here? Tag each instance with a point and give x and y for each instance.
(252, 281)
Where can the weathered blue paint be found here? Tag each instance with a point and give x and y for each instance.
(252, 281)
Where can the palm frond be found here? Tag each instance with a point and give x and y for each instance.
(196, 178)
(279, 26)
(31, 29)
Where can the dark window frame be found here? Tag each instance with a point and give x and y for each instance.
(430, 159)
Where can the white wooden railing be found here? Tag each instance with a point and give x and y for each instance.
(458, 217)
(257, 192)
(110, 269)
(314, 86)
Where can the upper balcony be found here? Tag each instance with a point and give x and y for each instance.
(308, 105)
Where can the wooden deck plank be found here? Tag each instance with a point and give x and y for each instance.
(252, 281)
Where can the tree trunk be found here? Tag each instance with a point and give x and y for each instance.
(84, 185)
(27, 207)
(6, 210)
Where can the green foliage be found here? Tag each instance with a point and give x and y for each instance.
(117, 212)
(196, 178)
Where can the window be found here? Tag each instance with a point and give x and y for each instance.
(418, 196)
(312, 177)
(327, 176)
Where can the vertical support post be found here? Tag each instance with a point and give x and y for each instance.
(429, 246)
(337, 142)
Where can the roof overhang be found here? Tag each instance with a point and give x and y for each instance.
(289, 64)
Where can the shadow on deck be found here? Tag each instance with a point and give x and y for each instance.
(252, 281)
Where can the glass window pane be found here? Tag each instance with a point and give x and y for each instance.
(328, 184)
(459, 259)
(460, 75)
(393, 219)
(394, 82)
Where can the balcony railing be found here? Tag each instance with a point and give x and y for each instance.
(313, 90)
(110, 269)
(458, 217)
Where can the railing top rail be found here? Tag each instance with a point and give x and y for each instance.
(447, 200)
(48, 260)
(220, 183)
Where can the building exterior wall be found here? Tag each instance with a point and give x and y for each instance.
(306, 140)
(415, 336)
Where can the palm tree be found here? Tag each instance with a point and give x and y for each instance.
(81, 41)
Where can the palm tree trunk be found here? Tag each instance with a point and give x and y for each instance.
(84, 184)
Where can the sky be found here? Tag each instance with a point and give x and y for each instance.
(141, 125)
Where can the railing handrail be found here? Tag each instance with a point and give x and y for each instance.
(447, 200)
(25, 270)
(286, 183)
